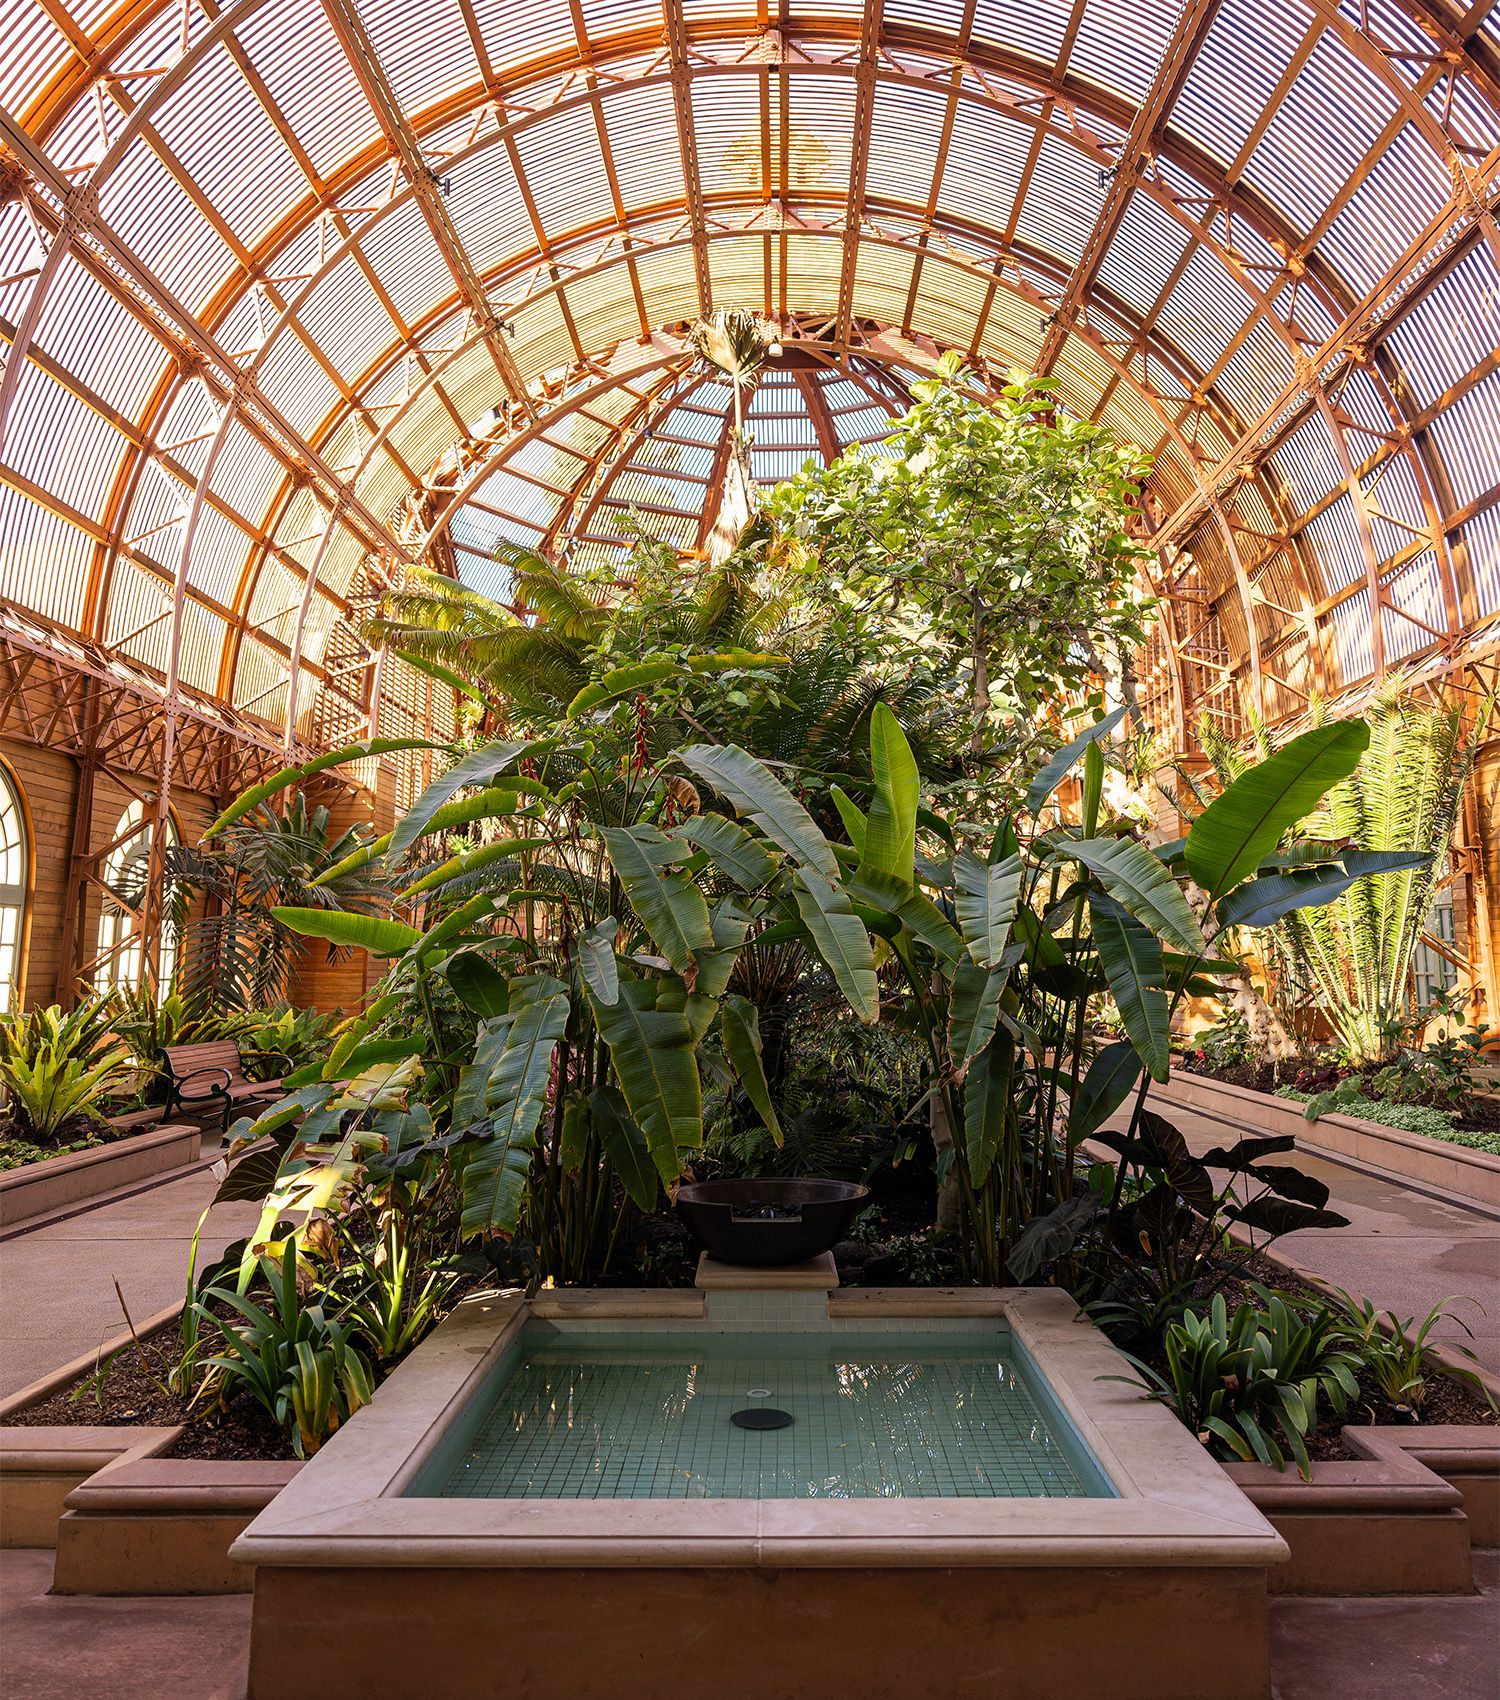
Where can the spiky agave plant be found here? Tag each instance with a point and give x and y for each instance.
(1356, 952)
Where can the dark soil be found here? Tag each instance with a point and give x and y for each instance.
(1478, 1113)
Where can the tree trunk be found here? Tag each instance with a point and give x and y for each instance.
(950, 1199)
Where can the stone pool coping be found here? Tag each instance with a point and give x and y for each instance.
(1175, 1505)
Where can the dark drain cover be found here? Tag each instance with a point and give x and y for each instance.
(761, 1416)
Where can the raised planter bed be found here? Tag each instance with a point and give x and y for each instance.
(1400, 1519)
(1457, 1169)
(56, 1183)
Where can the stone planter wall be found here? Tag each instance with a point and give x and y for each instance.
(57, 1183)
(1473, 1175)
(1401, 1519)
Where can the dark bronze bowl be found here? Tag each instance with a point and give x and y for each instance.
(769, 1223)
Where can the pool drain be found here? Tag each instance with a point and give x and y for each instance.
(762, 1417)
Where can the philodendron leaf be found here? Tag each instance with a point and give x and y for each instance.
(755, 791)
(624, 1145)
(987, 897)
(1047, 1238)
(1056, 770)
(480, 986)
(494, 1178)
(841, 940)
(339, 926)
(596, 959)
(1246, 821)
(1132, 962)
(1140, 884)
(739, 1023)
(480, 767)
(890, 837)
(671, 906)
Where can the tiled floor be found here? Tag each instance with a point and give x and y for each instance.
(187, 1649)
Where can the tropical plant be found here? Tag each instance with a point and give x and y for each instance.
(1249, 1385)
(235, 955)
(58, 1068)
(1353, 953)
(1400, 1356)
(295, 1362)
(989, 532)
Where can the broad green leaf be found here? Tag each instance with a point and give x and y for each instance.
(654, 1053)
(625, 1146)
(841, 940)
(755, 791)
(1109, 1082)
(573, 1144)
(268, 788)
(596, 959)
(973, 1009)
(479, 984)
(1139, 883)
(469, 862)
(727, 660)
(851, 815)
(622, 682)
(987, 1094)
(1056, 770)
(484, 805)
(480, 767)
(730, 924)
(494, 1177)
(1132, 962)
(986, 898)
(1263, 901)
(1246, 821)
(346, 1064)
(731, 849)
(444, 675)
(890, 845)
(739, 1023)
(671, 907)
(477, 909)
(362, 932)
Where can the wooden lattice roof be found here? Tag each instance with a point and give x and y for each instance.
(296, 293)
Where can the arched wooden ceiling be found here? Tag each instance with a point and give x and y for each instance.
(296, 293)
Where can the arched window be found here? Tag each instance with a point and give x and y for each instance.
(14, 863)
(120, 954)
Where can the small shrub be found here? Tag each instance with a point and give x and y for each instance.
(1347, 1100)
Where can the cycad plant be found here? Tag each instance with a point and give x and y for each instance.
(1355, 953)
(235, 954)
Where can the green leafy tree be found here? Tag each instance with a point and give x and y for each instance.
(987, 536)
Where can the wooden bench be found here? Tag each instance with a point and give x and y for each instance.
(213, 1074)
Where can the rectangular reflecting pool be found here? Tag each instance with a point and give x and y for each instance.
(764, 1489)
(579, 1414)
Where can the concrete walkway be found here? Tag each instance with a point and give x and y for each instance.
(57, 1296)
(1404, 1250)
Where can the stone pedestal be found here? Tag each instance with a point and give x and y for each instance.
(818, 1275)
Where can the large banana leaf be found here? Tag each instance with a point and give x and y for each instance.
(363, 932)
(973, 1009)
(655, 1055)
(1052, 775)
(1260, 902)
(1132, 960)
(1111, 1078)
(483, 805)
(986, 898)
(469, 862)
(596, 959)
(1138, 882)
(480, 986)
(1246, 821)
(987, 1092)
(841, 940)
(268, 788)
(671, 907)
(890, 840)
(755, 791)
(624, 1145)
(733, 850)
(480, 767)
(622, 682)
(739, 1023)
(730, 924)
(494, 1177)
